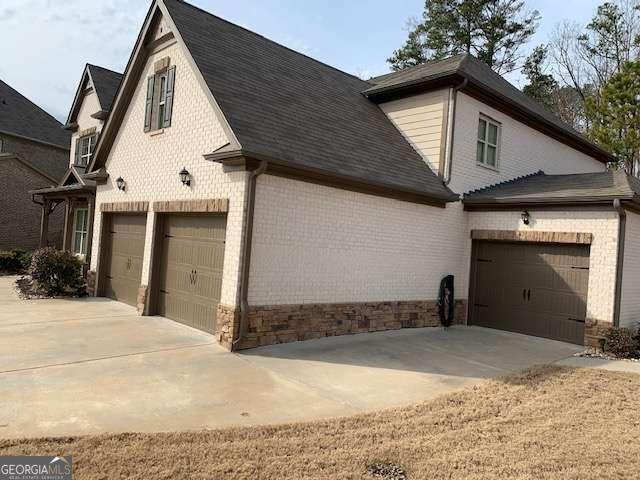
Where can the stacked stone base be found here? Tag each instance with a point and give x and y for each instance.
(594, 332)
(91, 283)
(268, 325)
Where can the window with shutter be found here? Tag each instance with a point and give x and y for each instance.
(159, 101)
(84, 150)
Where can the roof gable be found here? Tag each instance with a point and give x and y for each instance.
(21, 117)
(105, 84)
(283, 106)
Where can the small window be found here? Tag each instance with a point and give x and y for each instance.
(80, 231)
(84, 150)
(488, 150)
(159, 99)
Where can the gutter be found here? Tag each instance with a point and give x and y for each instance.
(247, 242)
(453, 101)
(622, 227)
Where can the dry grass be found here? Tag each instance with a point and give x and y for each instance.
(549, 422)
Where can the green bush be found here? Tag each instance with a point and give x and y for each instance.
(621, 342)
(15, 261)
(56, 272)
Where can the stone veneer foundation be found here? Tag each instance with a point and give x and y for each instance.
(91, 283)
(594, 332)
(268, 325)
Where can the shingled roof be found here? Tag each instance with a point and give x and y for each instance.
(484, 81)
(20, 116)
(105, 83)
(299, 112)
(573, 188)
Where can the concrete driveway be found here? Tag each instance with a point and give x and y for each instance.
(87, 366)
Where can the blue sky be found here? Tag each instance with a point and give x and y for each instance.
(47, 42)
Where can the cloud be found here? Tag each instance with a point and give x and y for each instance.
(54, 39)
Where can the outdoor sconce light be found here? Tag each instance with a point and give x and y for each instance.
(185, 177)
(525, 217)
(121, 184)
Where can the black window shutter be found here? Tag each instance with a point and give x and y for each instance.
(149, 105)
(168, 104)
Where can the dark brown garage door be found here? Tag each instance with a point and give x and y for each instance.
(123, 251)
(190, 273)
(535, 289)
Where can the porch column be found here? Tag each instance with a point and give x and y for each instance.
(44, 223)
(91, 205)
(65, 232)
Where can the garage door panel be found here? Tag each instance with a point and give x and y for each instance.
(192, 259)
(124, 250)
(535, 289)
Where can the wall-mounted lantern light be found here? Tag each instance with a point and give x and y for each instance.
(525, 217)
(121, 184)
(185, 177)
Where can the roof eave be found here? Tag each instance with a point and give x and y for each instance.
(249, 160)
(518, 203)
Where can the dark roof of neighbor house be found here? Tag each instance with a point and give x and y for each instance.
(105, 83)
(20, 116)
(481, 77)
(299, 112)
(542, 188)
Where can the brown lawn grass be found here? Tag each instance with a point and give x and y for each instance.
(548, 422)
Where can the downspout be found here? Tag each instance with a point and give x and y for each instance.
(247, 241)
(622, 227)
(453, 101)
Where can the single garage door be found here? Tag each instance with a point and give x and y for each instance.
(190, 274)
(123, 251)
(535, 289)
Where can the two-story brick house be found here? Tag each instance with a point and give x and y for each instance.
(74, 193)
(257, 194)
(34, 149)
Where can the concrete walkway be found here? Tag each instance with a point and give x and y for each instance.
(601, 363)
(92, 365)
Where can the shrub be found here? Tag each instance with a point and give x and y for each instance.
(56, 272)
(621, 342)
(16, 261)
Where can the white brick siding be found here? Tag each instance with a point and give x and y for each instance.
(317, 244)
(602, 224)
(420, 120)
(523, 150)
(89, 106)
(149, 163)
(630, 301)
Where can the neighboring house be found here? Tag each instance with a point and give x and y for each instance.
(252, 192)
(74, 193)
(33, 153)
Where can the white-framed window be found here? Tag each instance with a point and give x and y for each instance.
(488, 146)
(162, 100)
(84, 149)
(80, 230)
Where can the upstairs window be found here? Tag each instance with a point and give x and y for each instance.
(488, 148)
(159, 102)
(84, 150)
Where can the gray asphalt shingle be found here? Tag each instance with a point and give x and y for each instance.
(105, 83)
(305, 114)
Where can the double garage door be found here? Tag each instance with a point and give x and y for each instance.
(188, 266)
(535, 289)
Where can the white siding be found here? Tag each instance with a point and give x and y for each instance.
(149, 163)
(89, 106)
(602, 224)
(420, 119)
(630, 302)
(316, 244)
(523, 150)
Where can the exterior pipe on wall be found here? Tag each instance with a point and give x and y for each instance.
(622, 227)
(453, 101)
(247, 237)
